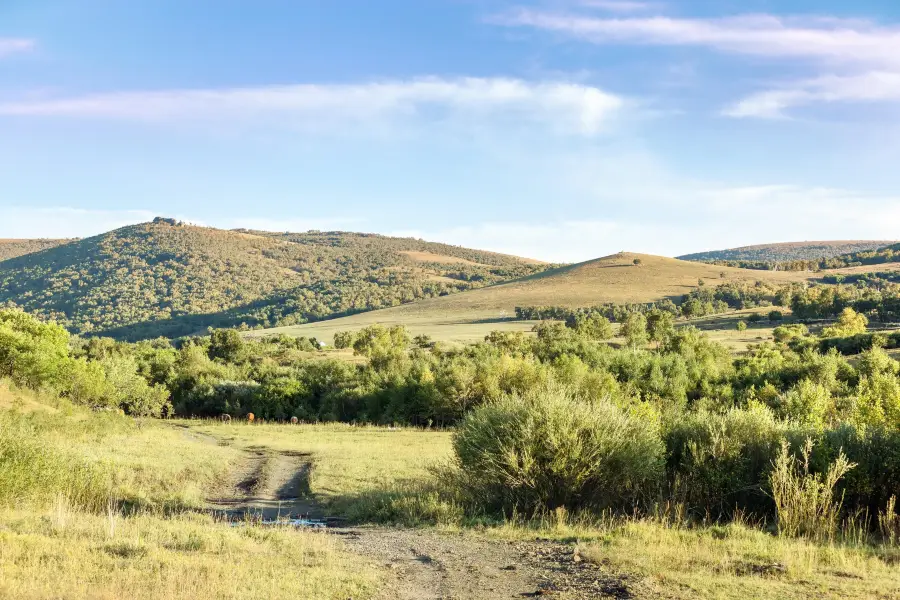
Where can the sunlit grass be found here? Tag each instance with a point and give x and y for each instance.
(74, 555)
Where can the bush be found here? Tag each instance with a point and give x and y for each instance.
(776, 315)
(741, 326)
(546, 449)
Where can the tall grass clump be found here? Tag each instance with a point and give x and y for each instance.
(804, 501)
(34, 473)
(546, 449)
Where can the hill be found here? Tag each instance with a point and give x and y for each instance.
(170, 279)
(468, 316)
(788, 251)
(13, 248)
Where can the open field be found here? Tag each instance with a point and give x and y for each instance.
(469, 316)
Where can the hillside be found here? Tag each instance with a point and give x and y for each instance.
(170, 279)
(467, 316)
(788, 251)
(13, 248)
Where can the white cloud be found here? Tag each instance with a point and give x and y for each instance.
(64, 222)
(619, 6)
(876, 86)
(566, 106)
(13, 46)
(721, 217)
(863, 58)
(835, 40)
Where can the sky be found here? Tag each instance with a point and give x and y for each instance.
(561, 130)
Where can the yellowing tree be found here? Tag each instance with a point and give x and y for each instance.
(849, 323)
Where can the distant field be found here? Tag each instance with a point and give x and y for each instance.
(469, 316)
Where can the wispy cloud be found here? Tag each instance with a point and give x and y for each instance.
(829, 39)
(13, 46)
(862, 58)
(568, 106)
(620, 6)
(877, 86)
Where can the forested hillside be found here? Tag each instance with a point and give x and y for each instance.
(788, 251)
(166, 278)
(13, 248)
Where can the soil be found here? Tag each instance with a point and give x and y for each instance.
(422, 564)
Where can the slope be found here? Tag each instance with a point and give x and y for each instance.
(166, 278)
(13, 248)
(468, 316)
(788, 251)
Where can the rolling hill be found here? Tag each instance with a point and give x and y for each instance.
(13, 248)
(170, 279)
(788, 251)
(469, 315)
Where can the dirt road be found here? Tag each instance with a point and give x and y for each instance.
(422, 564)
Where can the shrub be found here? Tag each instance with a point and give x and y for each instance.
(545, 448)
(754, 318)
(786, 333)
(741, 326)
(804, 501)
(717, 462)
(776, 315)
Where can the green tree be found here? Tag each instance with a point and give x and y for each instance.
(741, 326)
(660, 325)
(634, 330)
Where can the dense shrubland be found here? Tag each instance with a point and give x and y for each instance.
(167, 279)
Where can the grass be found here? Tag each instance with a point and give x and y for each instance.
(50, 548)
(96, 505)
(471, 315)
(347, 460)
(380, 474)
(73, 555)
(739, 562)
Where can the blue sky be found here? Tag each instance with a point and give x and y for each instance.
(557, 129)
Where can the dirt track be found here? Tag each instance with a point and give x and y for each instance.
(422, 564)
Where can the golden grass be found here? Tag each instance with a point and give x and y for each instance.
(65, 554)
(50, 548)
(737, 562)
(469, 316)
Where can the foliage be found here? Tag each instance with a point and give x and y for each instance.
(172, 279)
(546, 449)
(849, 323)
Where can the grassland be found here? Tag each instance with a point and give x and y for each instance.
(469, 316)
(102, 506)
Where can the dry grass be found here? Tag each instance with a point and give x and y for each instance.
(72, 555)
(469, 316)
(52, 548)
(738, 562)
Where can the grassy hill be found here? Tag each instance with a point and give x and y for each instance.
(13, 248)
(469, 316)
(170, 279)
(788, 251)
